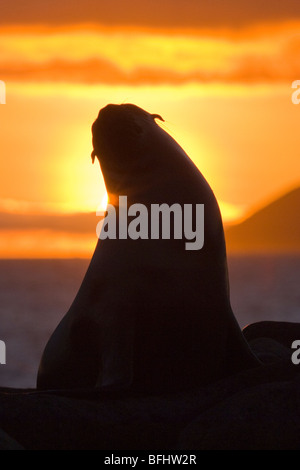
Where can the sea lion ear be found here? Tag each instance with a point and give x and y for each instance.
(157, 116)
(93, 155)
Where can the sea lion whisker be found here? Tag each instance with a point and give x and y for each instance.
(157, 116)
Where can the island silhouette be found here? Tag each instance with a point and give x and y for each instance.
(273, 228)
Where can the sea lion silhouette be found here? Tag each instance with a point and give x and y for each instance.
(150, 315)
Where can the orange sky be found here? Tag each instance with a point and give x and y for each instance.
(223, 87)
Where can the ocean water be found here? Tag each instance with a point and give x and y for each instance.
(35, 294)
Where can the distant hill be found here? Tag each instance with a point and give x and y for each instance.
(274, 228)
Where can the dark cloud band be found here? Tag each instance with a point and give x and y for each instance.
(157, 13)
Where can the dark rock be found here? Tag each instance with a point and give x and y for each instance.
(263, 417)
(255, 409)
(7, 443)
(282, 332)
(268, 350)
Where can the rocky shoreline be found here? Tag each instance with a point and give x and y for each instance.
(253, 410)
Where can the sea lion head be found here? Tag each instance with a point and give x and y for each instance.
(119, 135)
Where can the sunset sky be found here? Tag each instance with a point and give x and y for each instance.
(220, 74)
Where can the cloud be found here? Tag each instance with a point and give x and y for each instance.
(132, 57)
(46, 244)
(84, 223)
(86, 71)
(247, 69)
(157, 13)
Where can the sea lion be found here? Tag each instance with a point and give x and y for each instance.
(150, 315)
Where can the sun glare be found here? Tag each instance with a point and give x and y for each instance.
(103, 204)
